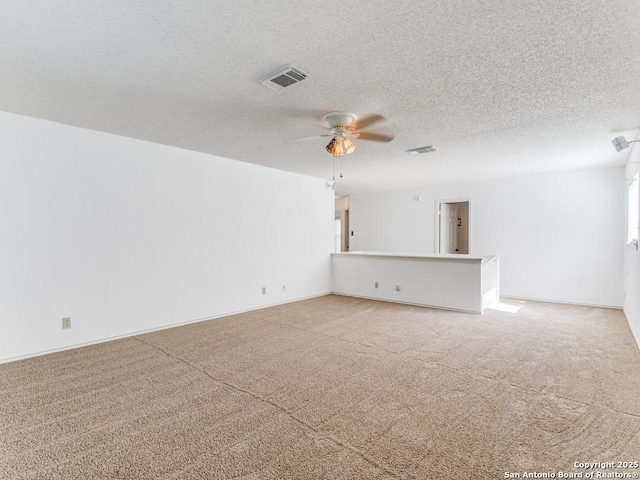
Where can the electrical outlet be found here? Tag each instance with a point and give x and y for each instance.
(397, 288)
(264, 290)
(284, 288)
(66, 322)
(376, 284)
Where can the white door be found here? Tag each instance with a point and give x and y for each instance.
(448, 228)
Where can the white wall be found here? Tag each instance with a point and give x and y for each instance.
(126, 236)
(561, 235)
(457, 282)
(632, 259)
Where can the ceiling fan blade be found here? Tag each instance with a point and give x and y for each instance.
(374, 137)
(367, 121)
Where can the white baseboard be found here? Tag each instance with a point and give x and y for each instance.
(563, 302)
(378, 299)
(156, 329)
(636, 335)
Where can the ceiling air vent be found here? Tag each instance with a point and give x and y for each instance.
(427, 149)
(283, 78)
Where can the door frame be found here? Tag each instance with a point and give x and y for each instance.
(436, 220)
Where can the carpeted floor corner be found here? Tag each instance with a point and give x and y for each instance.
(332, 388)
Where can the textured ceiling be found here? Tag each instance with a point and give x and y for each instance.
(500, 87)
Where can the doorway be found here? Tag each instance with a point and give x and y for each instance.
(452, 226)
(341, 231)
(341, 224)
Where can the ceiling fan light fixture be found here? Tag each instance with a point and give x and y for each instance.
(340, 145)
(348, 145)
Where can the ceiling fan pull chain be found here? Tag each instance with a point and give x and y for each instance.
(340, 167)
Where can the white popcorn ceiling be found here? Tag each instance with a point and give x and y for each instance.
(502, 88)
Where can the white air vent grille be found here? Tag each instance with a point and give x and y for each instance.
(427, 149)
(283, 78)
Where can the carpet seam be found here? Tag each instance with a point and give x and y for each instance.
(334, 439)
(532, 390)
(476, 375)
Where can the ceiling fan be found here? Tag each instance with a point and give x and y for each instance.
(343, 126)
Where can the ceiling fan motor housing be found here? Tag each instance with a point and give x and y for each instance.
(339, 119)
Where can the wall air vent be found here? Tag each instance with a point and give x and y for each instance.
(283, 78)
(427, 149)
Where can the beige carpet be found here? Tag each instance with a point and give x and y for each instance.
(334, 388)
